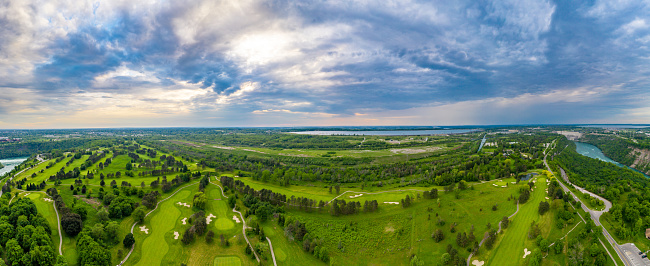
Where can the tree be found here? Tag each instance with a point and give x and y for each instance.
(81, 210)
(128, 241)
(188, 237)
(71, 223)
(543, 207)
(200, 200)
(102, 215)
(139, 214)
(14, 252)
(438, 235)
(505, 222)
(112, 230)
(91, 252)
(209, 237)
(445, 258)
(129, 167)
(462, 185)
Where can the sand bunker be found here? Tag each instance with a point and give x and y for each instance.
(184, 204)
(495, 185)
(477, 263)
(209, 218)
(144, 229)
(184, 221)
(176, 235)
(391, 202)
(526, 252)
(514, 182)
(504, 186)
(234, 217)
(47, 199)
(546, 197)
(356, 196)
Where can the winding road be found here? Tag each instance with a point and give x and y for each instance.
(595, 215)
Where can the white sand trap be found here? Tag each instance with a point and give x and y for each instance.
(546, 197)
(477, 263)
(144, 229)
(184, 221)
(356, 196)
(391, 202)
(514, 182)
(234, 217)
(209, 218)
(495, 185)
(183, 204)
(504, 186)
(176, 235)
(47, 199)
(526, 252)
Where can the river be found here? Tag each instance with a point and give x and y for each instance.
(592, 151)
(10, 164)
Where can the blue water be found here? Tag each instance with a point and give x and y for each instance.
(387, 132)
(592, 151)
(10, 164)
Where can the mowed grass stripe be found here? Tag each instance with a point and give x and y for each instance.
(163, 220)
(511, 247)
(227, 261)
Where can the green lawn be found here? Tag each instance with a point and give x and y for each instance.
(510, 248)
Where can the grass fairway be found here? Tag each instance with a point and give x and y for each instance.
(47, 210)
(224, 221)
(155, 246)
(227, 261)
(510, 249)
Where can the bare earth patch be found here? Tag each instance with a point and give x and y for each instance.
(415, 150)
(209, 218)
(92, 202)
(144, 229)
(223, 147)
(526, 252)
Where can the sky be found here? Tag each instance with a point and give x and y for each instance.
(212, 63)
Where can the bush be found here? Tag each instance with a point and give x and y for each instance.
(128, 240)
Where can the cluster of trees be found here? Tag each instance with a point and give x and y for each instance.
(71, 222)
(294, 230)
(341, 207)
(439, 169)
(25, 235)
(406, 202)
(199, 227)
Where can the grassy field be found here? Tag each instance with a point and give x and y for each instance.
(510, 248)
(47, 210)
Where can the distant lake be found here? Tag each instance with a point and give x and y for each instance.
(387, 132)
(592, 151)
(10, 164)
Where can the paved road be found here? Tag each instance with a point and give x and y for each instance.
(595, 215)
(632, 253)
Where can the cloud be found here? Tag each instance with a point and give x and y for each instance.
(258, 62)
